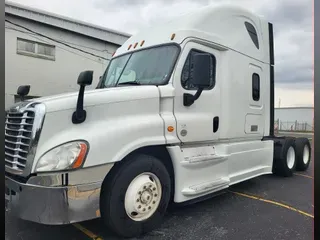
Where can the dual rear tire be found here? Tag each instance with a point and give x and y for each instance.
(290, 155)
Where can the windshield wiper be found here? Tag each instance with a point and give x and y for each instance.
(131, 82)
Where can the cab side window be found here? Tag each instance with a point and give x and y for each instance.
(255, 87)
(187, 72)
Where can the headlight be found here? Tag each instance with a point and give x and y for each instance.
(67, 156)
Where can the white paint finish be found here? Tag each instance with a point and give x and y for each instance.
(117, 123)
(48, 77)
(249, 159)
(207, 187)
(94, 98)
(205, 169)
(167, 93)
(197, 120)
(249, 174)
(223, 25)
(200, 170)
(236, 95)
(254, 124)
(120, 120)
(204, 173)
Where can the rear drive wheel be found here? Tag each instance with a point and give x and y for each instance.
(285, 159)
(303, 150)
(135, 197)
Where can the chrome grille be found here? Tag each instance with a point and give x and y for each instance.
(18, 136)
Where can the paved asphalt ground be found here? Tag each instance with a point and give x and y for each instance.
(228, 216)
(263, 208)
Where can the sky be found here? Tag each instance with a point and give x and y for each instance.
(292, 21)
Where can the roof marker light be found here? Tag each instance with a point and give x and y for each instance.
(173, 36)
(129, 46)
(135, 45)
(142, 42)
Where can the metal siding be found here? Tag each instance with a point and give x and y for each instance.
(45, 76)
(66, 23)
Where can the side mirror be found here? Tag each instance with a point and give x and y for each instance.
(23, 91)
(84, 79)
(201, 77)
(201, 70)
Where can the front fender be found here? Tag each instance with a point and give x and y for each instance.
(113, 130)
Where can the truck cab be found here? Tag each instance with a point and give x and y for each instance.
(184, 110)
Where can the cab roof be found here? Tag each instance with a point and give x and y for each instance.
(231, 27)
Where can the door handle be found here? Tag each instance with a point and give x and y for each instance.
(215, 124)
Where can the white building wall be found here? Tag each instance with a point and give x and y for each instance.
(48, 77)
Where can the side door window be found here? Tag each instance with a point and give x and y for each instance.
(187, 71)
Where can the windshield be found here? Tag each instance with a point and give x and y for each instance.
(146, 67)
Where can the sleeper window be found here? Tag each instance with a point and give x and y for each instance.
(256, 87)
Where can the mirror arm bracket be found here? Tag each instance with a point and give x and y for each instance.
(79, 116)
(189, 99)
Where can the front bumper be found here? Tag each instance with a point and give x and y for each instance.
(53, 205)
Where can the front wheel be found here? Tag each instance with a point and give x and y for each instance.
(135, 197)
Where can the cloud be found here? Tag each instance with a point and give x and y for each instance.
(292, 25)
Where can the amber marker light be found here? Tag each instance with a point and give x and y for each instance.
(170, 129)
(83, 151)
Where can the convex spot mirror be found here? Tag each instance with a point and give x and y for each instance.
(85, 78)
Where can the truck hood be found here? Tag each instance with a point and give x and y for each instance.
(98, 97)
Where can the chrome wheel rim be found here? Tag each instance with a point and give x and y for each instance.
(290, 157)
(306, 154)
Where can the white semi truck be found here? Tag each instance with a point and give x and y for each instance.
(183, 111)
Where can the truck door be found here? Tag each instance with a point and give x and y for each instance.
(255, 118)
(200, 121)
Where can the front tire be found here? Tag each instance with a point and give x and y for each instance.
(135, 196)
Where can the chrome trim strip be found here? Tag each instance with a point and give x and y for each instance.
(78, 177)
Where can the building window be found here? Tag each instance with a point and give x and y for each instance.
(255, 87)
(35, 49)
(187, 71)
(253, 34)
